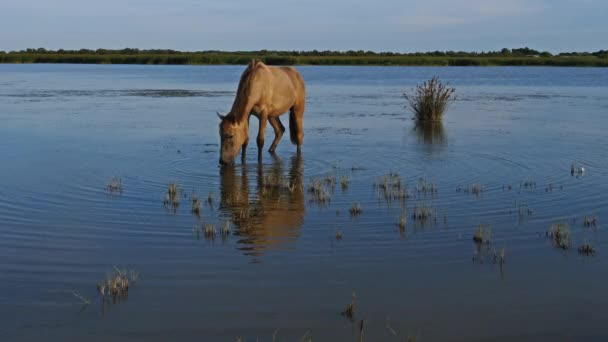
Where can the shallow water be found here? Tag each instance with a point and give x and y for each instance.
(69, 129)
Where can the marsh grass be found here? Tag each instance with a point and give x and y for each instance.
(560, 235)
(391, 187)
(430, 99)
(171, 197)
(318, 192)
(114, 185)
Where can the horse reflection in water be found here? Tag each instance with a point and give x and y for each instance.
(270, 216)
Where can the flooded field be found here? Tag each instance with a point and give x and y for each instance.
(373, 206)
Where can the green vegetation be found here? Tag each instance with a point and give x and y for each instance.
(429, 100)
(504, 57)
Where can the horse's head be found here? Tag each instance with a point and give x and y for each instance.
(233, 135)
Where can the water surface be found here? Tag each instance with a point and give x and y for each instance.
(69, 129)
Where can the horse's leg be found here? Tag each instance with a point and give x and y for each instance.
(260, 140)
(296, 127)
(244, 146)
(278, 132)
(244, 150)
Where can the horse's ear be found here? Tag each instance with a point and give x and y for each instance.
(220, 116)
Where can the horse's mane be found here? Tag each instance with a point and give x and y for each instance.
(238, 111)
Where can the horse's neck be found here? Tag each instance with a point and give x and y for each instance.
(241, 108)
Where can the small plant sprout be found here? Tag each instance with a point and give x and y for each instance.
(499, 258)
(482, 234)
(349, 310)
(210, 198)
(344, 182)
(114, 185)
(560, 234)
(589, 222)
(339, 235)
(586, 249)
(171, 198)
(116, 284)
(196, 205)
(355, 209)
(83, 299)
(403, 220)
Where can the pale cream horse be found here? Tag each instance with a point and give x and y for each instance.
(266, 92)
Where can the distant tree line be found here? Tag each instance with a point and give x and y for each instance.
(504, 57)
(520, 52)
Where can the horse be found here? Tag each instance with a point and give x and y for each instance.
(265, 92)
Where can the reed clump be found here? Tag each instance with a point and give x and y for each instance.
(430, 99)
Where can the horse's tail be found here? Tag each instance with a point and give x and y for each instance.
(293, 127)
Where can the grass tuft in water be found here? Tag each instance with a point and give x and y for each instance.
(403, 220)
(114, 185)
(339, 235)
(171, 198)
(209, 231)
(586, 249)
(560, 234)
(429, 100)
(225, 230)
(590, 221)
(344, 182)
(483, 234)
(318, 192)
(196, 205)
(349, 309)
(116, 284)
(355, 209)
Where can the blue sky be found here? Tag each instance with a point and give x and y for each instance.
(381, 25)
